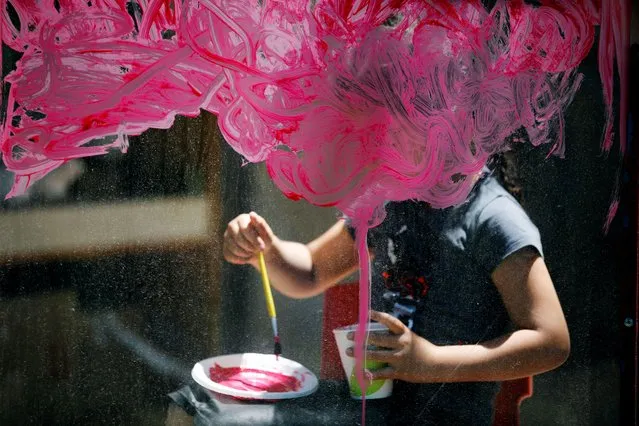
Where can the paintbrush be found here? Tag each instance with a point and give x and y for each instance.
(270, 306)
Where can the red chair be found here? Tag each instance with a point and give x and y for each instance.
(340, 309)
(509, 399)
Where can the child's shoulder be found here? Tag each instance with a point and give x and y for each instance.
(490, 196)
(491, 205)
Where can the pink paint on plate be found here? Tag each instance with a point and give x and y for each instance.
(253, 379)
(255, 376)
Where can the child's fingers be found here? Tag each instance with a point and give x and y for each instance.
(247, 239)
(248, 233)
(379, 338)
(234, 253)
(237, 247)
(384, 340)
(262, 228)
(241, 232)
(380, 355)
(383, 373)
(394, 325)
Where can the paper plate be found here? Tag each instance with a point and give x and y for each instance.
(264, 363)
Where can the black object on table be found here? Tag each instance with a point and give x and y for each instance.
(331, 404)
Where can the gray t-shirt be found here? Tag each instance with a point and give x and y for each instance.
(442, 259)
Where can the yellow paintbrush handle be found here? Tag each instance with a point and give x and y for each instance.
(270, 306)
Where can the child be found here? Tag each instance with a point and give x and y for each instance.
(472, 298)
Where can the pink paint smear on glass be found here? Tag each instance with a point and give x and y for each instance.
(350, 103)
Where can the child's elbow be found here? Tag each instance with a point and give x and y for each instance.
(558, 349)
(562, 352)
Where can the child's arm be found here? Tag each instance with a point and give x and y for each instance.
(295, 269)
(540, 343)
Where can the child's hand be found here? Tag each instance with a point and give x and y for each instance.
(408, 355)
(245, 236)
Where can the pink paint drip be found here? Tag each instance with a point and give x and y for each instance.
(364, 309)
(344, 110)
(252, 379)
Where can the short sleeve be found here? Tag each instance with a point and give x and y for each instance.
(503, 227)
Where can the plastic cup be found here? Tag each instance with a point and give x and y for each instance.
(376, 389)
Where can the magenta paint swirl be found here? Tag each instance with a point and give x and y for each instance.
(253, 379)
(350, 103)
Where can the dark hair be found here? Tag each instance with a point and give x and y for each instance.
(505, 165)
(505, 169)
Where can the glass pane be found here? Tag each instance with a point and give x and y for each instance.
(113, 283)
